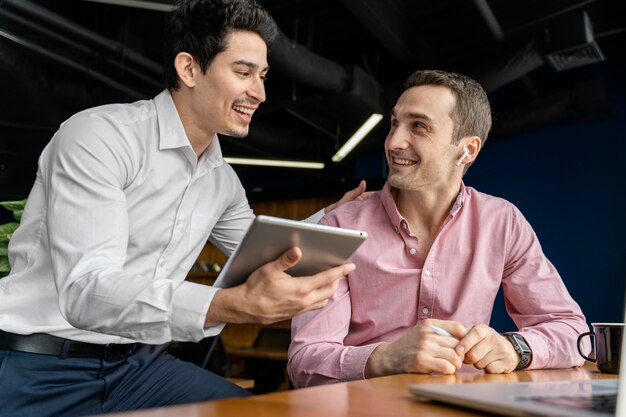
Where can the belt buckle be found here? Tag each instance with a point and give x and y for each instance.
(110, 352)
(114, 351)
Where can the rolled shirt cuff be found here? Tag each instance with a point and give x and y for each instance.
(189, 309)
(354, 362)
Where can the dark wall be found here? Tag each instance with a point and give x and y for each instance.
(569, 181)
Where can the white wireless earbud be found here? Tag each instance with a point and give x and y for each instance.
(465, 153)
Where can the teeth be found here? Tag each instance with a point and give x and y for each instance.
(401, 161)
(244, 110)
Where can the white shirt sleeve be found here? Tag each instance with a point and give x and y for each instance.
(315, 217)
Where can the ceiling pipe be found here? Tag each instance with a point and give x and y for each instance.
(301, 64)
(511, 66)
(71, 64)
(388, 23)
(533, 25)
(586, 101)
(78, 47)
(490, 19)
(498, 34)
(27, 7)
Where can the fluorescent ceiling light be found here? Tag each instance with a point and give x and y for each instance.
(357, 137)
(274, 163)
(140, 4)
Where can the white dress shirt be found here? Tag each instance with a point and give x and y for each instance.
(119, 212)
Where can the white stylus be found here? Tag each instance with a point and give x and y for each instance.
(441, 331)
(465, 153)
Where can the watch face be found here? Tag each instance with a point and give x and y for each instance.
(521, 344)
(522, 348)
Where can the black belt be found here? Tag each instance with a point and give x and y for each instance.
(45, 344)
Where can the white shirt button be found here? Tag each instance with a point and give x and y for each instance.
(412, 250)
(427, 272)
(425, 310)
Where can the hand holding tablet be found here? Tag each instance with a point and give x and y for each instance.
(323, 247)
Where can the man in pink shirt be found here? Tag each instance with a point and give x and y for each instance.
(436, 255)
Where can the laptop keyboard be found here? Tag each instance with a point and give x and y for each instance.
(596, 402)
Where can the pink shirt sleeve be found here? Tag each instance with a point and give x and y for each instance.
(315, 359)
(538, 302)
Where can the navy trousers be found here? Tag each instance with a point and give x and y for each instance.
(34, 385)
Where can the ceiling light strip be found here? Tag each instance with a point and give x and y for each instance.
(274, 163)
(140, 4)
(358, 136)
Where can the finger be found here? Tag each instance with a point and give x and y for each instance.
(443, 365)
(323, 279)
(499, 359)
(317, 305)
(492, 362)
(497, 367)
(324, 291)
(365, 195)
(437, 353)
(450, 355)
(446, 341)
(319, 297)
(480, 355)
(476, 335)
(455, 328)
(353, 194)
(288, 259)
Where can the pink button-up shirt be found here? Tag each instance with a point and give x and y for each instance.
(484, 243)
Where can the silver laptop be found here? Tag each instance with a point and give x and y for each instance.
(588, 398)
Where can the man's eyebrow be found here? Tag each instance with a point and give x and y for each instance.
(250, 65)
(414, 115)
(422, 116)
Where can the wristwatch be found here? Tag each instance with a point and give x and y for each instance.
(522, 348)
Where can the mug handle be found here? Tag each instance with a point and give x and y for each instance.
(591, 334)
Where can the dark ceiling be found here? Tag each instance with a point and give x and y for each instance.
(335, 63)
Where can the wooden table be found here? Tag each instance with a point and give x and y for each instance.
(385, 396)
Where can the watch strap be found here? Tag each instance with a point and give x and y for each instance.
(522, 348)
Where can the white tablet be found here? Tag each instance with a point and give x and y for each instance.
(269, 237)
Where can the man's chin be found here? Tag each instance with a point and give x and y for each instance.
(398, 182)
(239, 134)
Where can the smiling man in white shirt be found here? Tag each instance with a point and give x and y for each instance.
(125, 197)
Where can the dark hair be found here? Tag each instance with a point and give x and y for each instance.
(200, 28)
(472, 114)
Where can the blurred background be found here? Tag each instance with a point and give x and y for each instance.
(554, 71)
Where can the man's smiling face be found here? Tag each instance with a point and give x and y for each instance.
(419, 145)
(233, 86)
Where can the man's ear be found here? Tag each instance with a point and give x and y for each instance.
(186, 68)
(473, 145)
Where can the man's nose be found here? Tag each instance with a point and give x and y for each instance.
(396, 139)
(257, 90)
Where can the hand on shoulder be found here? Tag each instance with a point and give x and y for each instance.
(356, 194)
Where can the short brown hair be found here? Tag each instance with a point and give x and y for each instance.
(472, 114)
